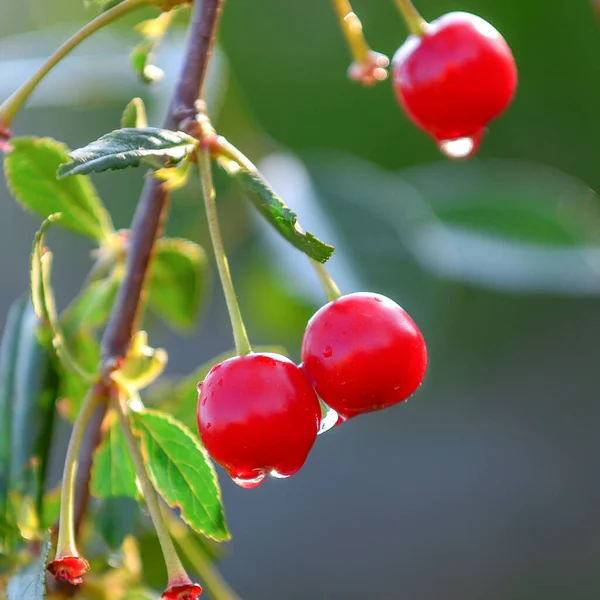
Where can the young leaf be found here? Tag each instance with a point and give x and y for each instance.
(177, 281)
(277, 213)
(113, 473)
(152, 30)
(134, 114)
(28, 583)
(30, 169)
(42, 298)
(129, 147)
(181, 472)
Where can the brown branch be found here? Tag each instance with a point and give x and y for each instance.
(147, 227)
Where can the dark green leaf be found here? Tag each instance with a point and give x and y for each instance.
(29, 582)
(30, 169)
(275, 211)
(113, 473)
(116, 519)
(129, 147)
(181, 472)
(33, 398)
(134, 114)
(178, 281)
(8, 358)
(180, 399)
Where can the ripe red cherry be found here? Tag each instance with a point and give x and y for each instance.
(454, 79)
(363, 352)
(258, 414)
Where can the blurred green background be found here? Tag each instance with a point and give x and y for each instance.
(484, 485)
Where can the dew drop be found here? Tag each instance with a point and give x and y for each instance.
(249, 483)
(327, 352)
(277, 474)
(329, 419)
(199, 387)
(463, 147)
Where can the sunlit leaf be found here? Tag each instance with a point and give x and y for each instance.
(134, 114)
(275, 211)
(30, 169)
(129, 147)
(182, 472)
(152, 30)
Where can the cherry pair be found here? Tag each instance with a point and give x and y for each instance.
(259, 414)
(453, 79)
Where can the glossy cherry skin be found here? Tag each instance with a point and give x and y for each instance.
(363, 353)
(457, 77)
(258, 414)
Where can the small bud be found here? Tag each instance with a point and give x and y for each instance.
(371, 71)
(188, 591)
(69, 568)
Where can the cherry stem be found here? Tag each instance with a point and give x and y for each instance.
(11, 105)
(176, 573)
(332, 291)
(352, 29)
(66, 545)
(416, 24)
(242, 344)
(197, 557)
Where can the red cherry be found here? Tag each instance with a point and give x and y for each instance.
(363, 352)
(258, 415)
(454, 79)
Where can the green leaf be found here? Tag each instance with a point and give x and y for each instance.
(42, 298)
(116, 519)
(29, 582)
(134, 114)
(275, 211)
(113, 472)
(30, 169)
(34, 395)
(129, 147)
(181, 472)
(92, 307)
(8, 357)
(180, 399)
(85, 349)
(177, 281)
(152, 30)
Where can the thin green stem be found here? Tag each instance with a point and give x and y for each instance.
(352, 29)
(175, 570)
(332, 291)
(416, 24)
(66, 532)
(242, 344)
(197, 557)
(11, 106)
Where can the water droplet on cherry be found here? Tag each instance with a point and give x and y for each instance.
(278, 475)
(329, 419)
(327, 351)
(249, 483)
(199, 387)
(459, 148)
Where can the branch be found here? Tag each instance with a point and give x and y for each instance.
(147, 227)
